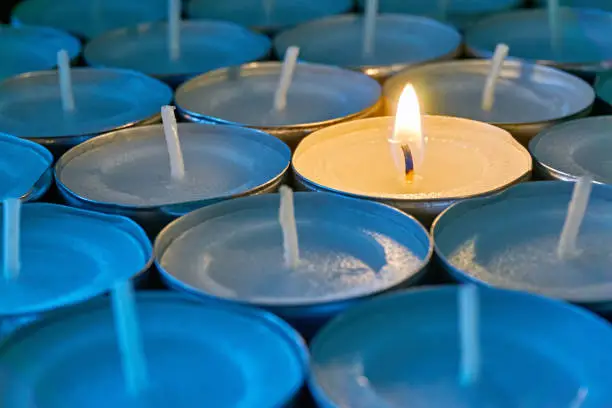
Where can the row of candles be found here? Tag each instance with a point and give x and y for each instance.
(310, 256)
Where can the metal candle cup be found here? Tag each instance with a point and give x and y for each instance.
(523, 94)
(205, 45)
(128, 171)
(400, 41)
(197, 355)
(319, 96)
(353, 159)
(350, 250)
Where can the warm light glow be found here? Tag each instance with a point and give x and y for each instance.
(407, 129)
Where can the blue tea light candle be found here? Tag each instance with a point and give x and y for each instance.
(88, 19)
(318, 96)
(349, 250)
(580, 48)
(268, 16)
(403, 350)
(399, 41)
(25, 169)
(105, 99)
(523, 94)
(575, 149)
(197, 355)
(27, 49)
(69, 255)
(205, 45)
(510, 241)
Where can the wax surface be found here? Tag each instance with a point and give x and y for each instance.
(524, 93)
(132, 168)
(510, 241)
(22, 163)
(581, 40)
(196, 356)
(105, 99)
(28, 49)
(399, 40)
(254, 13)
(205, 45)
(88, 19)
(462, 158)
(317, 94)
(70, 255)
(348, 248)
(403, 350)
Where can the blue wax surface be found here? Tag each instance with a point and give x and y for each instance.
(510, 241)
(402, 350)
(205, 45)
(254, 14)
(198, 355)
(596, 4)
(22, 163)
(399, 39)
(577, 148)
(27, 49)
(105, 99)
(527, 33)
(70, 255)
(348, 249)
(89, 18)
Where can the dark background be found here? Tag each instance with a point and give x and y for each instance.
(5, 9)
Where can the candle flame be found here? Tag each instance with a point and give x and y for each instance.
(408, 142)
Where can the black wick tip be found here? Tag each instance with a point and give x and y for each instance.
(408, 159)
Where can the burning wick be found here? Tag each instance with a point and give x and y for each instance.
(575, 214)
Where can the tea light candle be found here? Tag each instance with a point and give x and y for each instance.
(581, 47)
(105, 99)
(197, 355)
(25, 169)
(88, 19)
(348, 250)
(403, 350)
(27, 49)
(399, 41)
(318, 96)
(510, 240)
(268, 16)
(528, 98)
(575, 149)
(68, 256)
(594, 4)
(205, 45)
(129, 172)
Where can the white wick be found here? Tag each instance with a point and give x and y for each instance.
(174, 29)
(268, 6)
(369, 30)
(11, 210)
(567, 248)
(580, 398)
(554, 24)
(469, 313)
(65, 81)
(289, 64)
(488, 94)
(177, 164)
(286, 217)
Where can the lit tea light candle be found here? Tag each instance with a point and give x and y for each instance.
(522, 94)
(268, 16)
(66, 256)
(196, 355)
(304, 257)
(204, 45)
(32, 105)
(403, 350)
(138, 172)
(27, 49)
(532, 35)
(88, 19)
(526, 239)
(318, 96)
(25, 169)
(354, 159)
(399, 41)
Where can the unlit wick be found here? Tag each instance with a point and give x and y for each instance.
(65, 81)
(369, 28)
(469, 316)
(286, 77)
(11, 218)
(567, 247)
(497, 62)
(286, 217)
(174, 29)
(177, 163)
